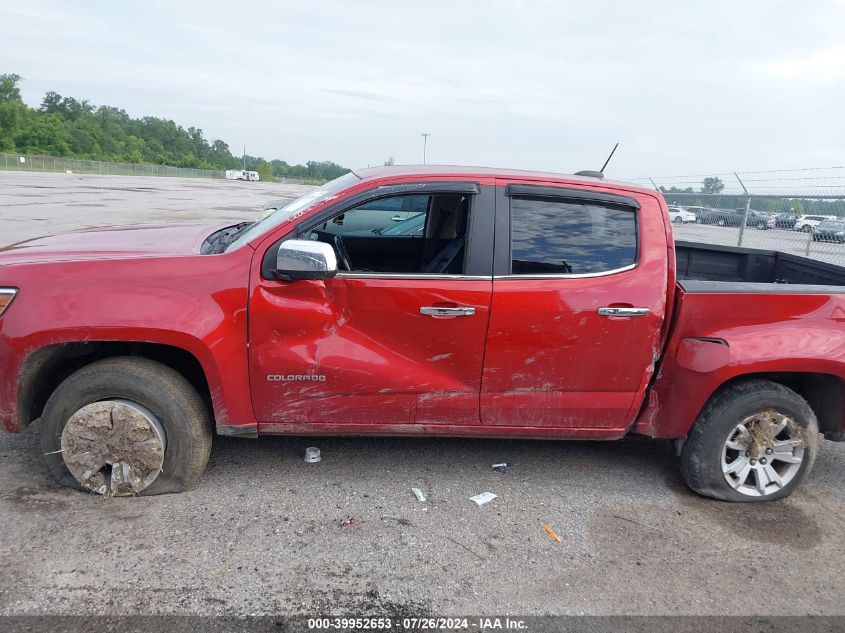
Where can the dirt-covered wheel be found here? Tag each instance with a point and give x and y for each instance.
(126, 426)
(754, 441)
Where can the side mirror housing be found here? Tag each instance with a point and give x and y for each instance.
(305, 259)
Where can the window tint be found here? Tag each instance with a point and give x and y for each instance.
(555, 237)
(401, 234)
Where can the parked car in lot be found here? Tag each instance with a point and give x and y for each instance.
(782, 221)
(680, 215)
(807, 223)
(734, 217)
(135, 345)
(830, 231)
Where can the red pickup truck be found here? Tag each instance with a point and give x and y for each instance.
(424, 301)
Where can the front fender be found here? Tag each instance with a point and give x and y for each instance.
(197, 304)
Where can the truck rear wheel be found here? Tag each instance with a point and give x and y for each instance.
(126, 426)
(754, 441)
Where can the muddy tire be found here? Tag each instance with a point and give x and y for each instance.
(134, 384)
(754, 441)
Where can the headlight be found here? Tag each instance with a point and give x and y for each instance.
(7, 295)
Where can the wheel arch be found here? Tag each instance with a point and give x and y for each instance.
(670, 415)
(825, 393)
(46, 367)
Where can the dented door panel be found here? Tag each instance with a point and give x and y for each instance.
(553, 360)
(357, 350)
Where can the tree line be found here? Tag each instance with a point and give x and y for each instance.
(68, 127)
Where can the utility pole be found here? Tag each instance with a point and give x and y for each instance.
(244, 157)
(425, 136)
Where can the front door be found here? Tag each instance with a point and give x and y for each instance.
(577, 309)
(397, 337)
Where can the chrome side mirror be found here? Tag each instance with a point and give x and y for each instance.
(305, 259)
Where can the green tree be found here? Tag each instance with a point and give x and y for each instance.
(11, 116)
(9, 91)
(46, 135)
(265, 170)
(12, 111)
(712, 185)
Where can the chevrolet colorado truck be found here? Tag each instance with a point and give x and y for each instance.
(529, 305)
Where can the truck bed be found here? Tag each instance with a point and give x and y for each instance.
(714, 263)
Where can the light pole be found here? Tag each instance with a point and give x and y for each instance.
(425, 136)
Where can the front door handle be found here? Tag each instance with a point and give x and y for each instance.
(623, 312)
(437, 311)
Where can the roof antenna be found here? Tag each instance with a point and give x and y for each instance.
(612, 152)
(598, 174)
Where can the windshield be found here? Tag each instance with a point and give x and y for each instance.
(832, 224)
(297, 207)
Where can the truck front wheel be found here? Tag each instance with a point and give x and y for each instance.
(754, 441)
(126, 426)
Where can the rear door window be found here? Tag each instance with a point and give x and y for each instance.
(561, 237)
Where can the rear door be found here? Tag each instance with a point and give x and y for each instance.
(579, 296)
(398, 337)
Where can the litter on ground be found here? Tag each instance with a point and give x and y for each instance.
(551, 532)
(484, 497)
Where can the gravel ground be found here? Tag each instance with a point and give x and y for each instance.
(262, 532)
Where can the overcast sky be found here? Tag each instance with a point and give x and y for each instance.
(687, 88)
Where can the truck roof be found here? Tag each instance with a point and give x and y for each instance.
(375, 173)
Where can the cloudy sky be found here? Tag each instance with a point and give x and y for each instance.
(687, 88)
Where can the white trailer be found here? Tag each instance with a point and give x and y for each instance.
(241, 174)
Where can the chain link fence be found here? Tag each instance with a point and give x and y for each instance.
(810, 223)
(35, 163)
(800, 211)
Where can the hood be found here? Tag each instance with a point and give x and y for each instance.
(116, 242)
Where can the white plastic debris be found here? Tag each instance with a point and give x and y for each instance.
(312, 454)
(418, 494)
(484, 497)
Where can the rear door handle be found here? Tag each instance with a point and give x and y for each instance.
(623, 312)
(436, 311)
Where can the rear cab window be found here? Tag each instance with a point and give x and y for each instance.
(557, 236)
